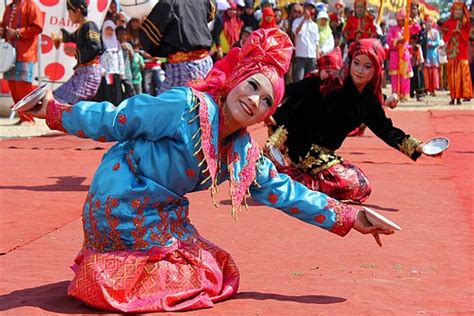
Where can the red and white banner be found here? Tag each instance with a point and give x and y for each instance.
(55, 65)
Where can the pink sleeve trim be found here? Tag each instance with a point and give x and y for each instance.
(54, 114)
(345, 217)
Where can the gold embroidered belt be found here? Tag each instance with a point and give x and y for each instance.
(318, 159)
(180, 57)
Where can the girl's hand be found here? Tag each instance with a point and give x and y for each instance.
(56, 40)
(39, 110)
(363, 226)
(11, 33)
(392, 101)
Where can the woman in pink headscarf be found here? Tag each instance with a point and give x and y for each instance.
(399, 68)
(141, 253)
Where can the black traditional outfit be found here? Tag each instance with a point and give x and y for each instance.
(178, 30)
(418, 57)
(85, 81)
(312, 125)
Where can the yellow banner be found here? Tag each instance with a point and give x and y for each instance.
(397, 5)
(387, 5)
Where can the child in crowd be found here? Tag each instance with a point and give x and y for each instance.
(113, 70)
(128, 53)
(137, 66)
(443, 62)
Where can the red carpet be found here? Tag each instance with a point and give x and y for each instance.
(287, 267)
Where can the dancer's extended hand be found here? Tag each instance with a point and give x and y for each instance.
(39, 111)
(363, 226)
(392, 101)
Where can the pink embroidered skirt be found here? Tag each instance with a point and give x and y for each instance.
(343, 181)
(177, 278)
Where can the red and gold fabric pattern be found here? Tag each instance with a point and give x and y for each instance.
(54, 113)
(182, 276)
(345, 216)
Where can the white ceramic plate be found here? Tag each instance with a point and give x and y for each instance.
(276, 155)
(435, 146)
(31, 99)
(377, 219)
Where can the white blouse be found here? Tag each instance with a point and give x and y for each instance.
(112, 62)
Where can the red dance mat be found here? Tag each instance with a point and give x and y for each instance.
(287, 267)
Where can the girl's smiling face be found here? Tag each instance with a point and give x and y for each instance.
(249, 101)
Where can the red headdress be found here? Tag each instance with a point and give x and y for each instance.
(364, 2)
(266, 51)
(374, 50)
(232, 24)
(268, 11)
(333, 60)
(333, 17)
(465, 11)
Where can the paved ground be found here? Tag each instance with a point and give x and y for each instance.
(287, 267)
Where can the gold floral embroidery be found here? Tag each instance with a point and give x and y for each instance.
(94, 237)
(317, 159)
(139, 233)
(345, 216)
(409, 145)
(173, 224)
(279, 137)
(113, 222)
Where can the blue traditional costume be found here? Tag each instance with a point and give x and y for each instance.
(141, 253)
